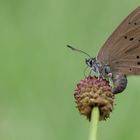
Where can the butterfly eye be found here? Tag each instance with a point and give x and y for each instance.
(91, 62)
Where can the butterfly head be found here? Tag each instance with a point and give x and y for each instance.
(92, 63)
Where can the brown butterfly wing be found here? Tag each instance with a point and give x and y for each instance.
(122, 50)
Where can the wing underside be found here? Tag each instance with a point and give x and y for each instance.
(122, 50)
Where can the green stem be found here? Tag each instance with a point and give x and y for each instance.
(94, 123)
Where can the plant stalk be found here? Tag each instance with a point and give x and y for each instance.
(94, 123)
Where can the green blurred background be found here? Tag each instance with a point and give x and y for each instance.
(38, 73)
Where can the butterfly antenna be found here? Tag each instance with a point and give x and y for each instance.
(74, 49)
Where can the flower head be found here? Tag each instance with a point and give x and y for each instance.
(94, 92)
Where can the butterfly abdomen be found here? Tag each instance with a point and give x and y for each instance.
(119, 82)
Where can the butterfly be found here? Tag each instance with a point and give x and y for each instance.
(120, 54)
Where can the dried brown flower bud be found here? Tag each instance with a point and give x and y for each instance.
(94, 92)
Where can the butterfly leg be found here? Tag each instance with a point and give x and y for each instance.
(109, 75)
(90, 72)
(99, 75)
